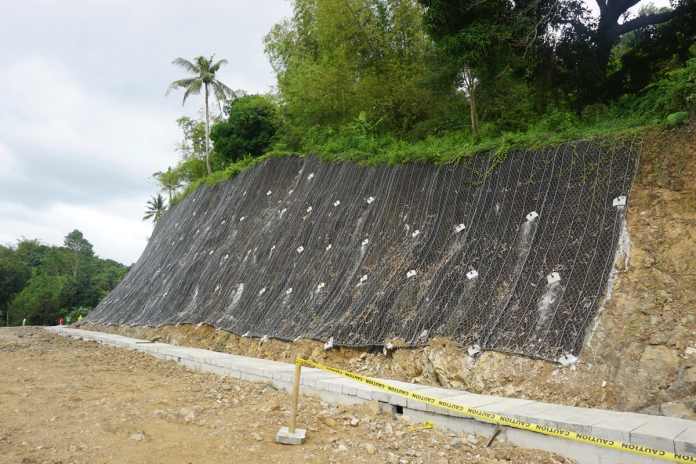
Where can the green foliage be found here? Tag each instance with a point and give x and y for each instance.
(498, 78)
(676, 118)
(252, 121)
(66, 280)
(334, 59)
(558, 45)
(366, 127)
(156, 207)
(169, 181)
(674, 93)
(14, 275)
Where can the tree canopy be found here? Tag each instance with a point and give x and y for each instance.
(558, 44)
(42, 283)
(251, 123)
(392, 81)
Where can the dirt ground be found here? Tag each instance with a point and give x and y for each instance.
(72, 401)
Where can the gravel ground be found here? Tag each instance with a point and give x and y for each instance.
(71, 401)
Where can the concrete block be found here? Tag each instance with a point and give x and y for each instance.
(365, 392)
(579, 420)
(443, 395)
(660, 432)
(685, 443)
(618, 426)
(471, 400)
(286, 438)
(505, 405)
(285, 375)
(529, 412)
(334, 385)
(419, 406)
(393, 399)
(309, 379)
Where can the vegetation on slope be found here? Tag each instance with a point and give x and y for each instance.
(394, 81)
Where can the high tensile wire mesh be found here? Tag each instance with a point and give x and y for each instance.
(513, 257)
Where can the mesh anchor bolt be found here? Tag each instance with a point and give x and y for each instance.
(619, 201)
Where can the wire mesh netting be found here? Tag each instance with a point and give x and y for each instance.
(513, 257)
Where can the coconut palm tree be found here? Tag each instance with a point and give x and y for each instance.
(156, 208)
(205, 70)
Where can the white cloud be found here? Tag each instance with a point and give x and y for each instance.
(83, 117)
(112, 228)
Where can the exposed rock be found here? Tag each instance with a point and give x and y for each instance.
(374, 407)
(330, 422)
(653, 410)
(677, 410)
(137, 437)
(369, 449)
(406, 420)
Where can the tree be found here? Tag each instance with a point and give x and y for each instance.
(169, 181)
(79, 250)
(560, 37)
(250, 126)
(14, 275)
(336, 58)
(206, 79)
(156, 208)
(53, 287)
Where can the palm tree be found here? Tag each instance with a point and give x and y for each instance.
(156, 208)
(206, 69)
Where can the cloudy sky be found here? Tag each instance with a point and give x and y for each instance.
(83, 117)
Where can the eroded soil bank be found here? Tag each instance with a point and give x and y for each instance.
(639, 356)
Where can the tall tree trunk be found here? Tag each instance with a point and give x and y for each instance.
(470, 83)
(207, 132)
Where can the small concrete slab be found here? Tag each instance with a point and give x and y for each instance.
(445, 395)
(420, 406)
(660, 432)
(685, 443)
(286, 438)
(619, 428)
(529, 412)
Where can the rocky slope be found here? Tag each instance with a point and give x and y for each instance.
(640, 354)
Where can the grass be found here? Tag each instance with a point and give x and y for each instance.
(342, 146)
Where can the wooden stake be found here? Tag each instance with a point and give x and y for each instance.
(295, 397)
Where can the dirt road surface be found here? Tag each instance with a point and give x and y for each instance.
(71, 401)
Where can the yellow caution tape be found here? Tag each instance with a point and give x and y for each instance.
(520, 424)
(428, 425)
